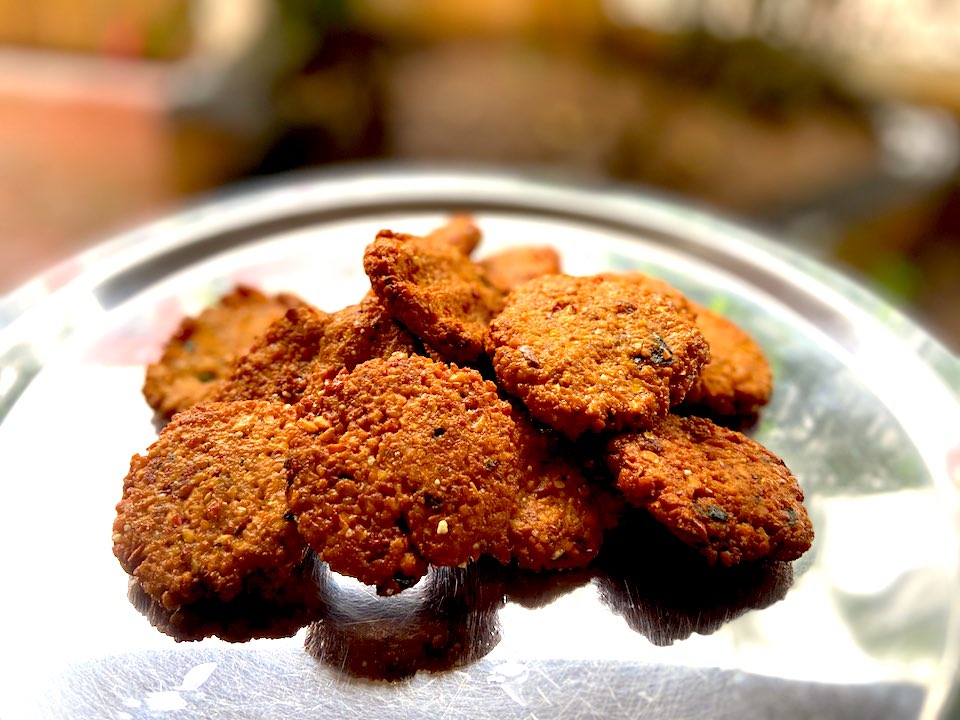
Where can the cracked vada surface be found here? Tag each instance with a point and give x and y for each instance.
(204, 512)
(404, 461)
(434, 290)
(308, 345)
(714, 488)
(203, 349)
(593, 354)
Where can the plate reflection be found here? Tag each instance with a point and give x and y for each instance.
(663, 589)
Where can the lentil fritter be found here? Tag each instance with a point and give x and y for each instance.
(459, 232)
(310, 345)
(204, 512)
(405, 461)
(434, 290)
(512, 267)
(589, 353)
(202, 350)
(278, 364)
(737, 381)
(361, 438)
(714, 488)
(561, 511)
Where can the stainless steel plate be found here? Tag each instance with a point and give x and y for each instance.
(865, 412)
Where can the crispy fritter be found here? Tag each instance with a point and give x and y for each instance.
(204, 512)
(434, 290)
(514, 266)
(459, 232)
(406, 461)
(362, 332)
(714, 488)
(560, 514)
(648, 283)
(309, 345)
(277, 366)
(587, 353)
(737, 381)
(202, 350)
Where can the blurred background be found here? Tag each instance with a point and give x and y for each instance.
(833, 123)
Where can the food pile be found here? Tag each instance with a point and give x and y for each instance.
(463, 408)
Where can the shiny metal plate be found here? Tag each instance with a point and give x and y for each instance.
(865, 412)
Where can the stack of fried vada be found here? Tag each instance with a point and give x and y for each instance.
(463, 408)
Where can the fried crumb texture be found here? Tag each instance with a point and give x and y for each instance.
(738, 381)
(593, 354)
(204, 512)
(307, 345)
(203, 349)
(463, 408)
(412, 463)
(714, 488)
(435, 290)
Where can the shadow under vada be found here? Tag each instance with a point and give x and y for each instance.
(667, 591)
(446, 620)
(663, 589)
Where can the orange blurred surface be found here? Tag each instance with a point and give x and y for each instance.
(84, 148)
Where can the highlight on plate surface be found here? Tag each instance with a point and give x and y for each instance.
(496, 425)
